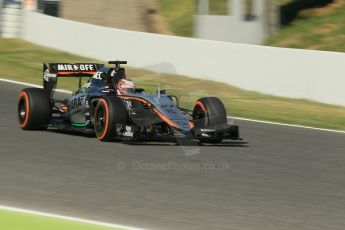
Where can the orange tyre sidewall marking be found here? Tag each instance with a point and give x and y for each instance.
(106, 119)
(201, 105)
(24, 95)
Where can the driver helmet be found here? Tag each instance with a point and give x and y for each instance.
(125, 86)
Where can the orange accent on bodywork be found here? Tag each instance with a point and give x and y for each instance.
(88, 73)
(201, 105)
(136, 99)
(191, 124)
(75, 73)
(164, 118)
(27, 108)
(106, 118)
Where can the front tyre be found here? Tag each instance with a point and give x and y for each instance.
(34, 109)
(209, 111)
(109, 112)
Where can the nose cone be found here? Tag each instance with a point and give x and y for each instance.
(172, 115)
(170, 111)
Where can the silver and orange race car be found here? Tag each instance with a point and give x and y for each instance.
(110, 106)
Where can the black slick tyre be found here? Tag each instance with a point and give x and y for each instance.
(209, 111)
(34, 109)
(109, 112)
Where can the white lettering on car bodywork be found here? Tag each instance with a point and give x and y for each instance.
(70, 67)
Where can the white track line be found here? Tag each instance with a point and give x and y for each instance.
(61, 217)
(68, 218)
(287, 125)
(31, 85)
(236, 118)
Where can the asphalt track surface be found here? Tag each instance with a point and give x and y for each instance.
(286, 178)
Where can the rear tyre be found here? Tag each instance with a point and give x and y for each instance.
(209, 111)
(109, 112)
(34, 109)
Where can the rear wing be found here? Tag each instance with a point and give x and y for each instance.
(53, 71)
(68, 69)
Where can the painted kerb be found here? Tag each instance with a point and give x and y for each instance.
(314, 75)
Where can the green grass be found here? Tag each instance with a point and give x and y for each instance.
(20, 221)
(179, 15)
(23, 61)
(317, 29)
(218, 7)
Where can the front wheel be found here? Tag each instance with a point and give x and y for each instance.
(209, 111)
(109, 112)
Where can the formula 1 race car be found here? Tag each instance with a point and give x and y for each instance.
(110, 106)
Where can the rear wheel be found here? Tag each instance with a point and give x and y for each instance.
(209, 111)
(109, 112)
(34, 109)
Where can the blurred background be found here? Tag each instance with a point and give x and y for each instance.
(308, 24)
(286, 178)
(283, 85)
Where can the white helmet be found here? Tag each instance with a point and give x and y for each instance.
(125, 86)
